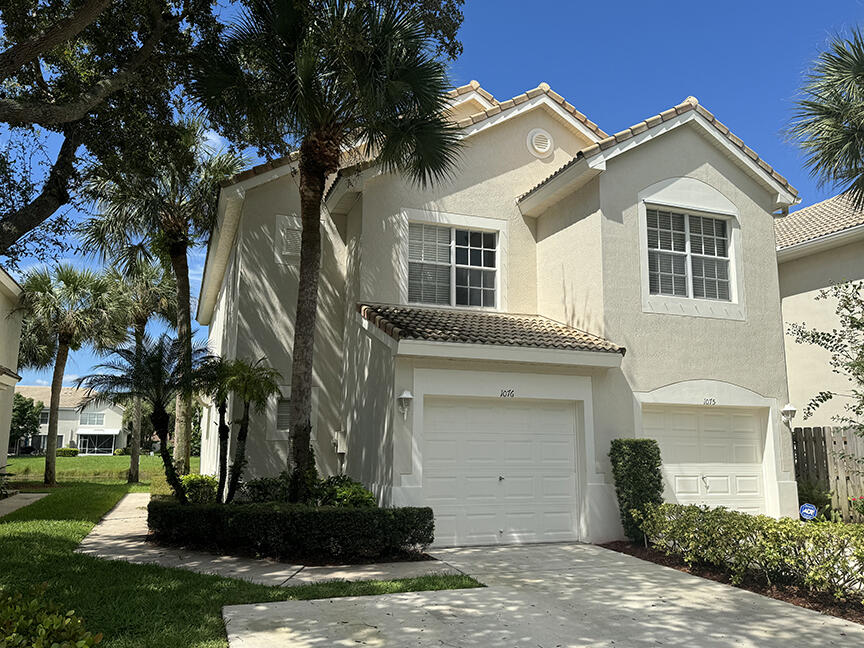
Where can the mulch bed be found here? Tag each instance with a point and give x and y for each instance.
(824, 603)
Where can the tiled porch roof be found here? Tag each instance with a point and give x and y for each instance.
(481, 327)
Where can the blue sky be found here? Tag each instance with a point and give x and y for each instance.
(620, 62)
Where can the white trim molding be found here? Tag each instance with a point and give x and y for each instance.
(492, 352)
(692, 196)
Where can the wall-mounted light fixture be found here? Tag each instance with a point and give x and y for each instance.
(788, 413)
(404, 401)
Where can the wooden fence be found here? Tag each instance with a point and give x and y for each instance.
(832, 458)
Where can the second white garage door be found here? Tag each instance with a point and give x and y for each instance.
(711, 455)
(499, 471)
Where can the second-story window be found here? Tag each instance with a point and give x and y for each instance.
(43, 417)
(452, 266)
(92, 418)
(688, 255)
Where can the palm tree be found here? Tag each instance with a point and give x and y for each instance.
(328, 77)
(64, 309)
(166, 208)
(829, 118)
(254, 384)
(155, 372)
(213, 380)
(151, 292)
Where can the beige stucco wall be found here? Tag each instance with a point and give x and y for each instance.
(570, 260)
(808, 366)
(494, 169)
(263, 304)
(10, 334)
(662, 348)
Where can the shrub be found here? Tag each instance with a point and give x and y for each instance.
(292, 531)
(811, 492)
(200, 489)
(31, 621)
(268, 489)
(67, 452)
(638, 479)
(819, 556)
(120, 452)
(341, 490)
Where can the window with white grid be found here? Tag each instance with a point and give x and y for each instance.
(452, 266)
(283, 413)
(91, 418)
(688, 255)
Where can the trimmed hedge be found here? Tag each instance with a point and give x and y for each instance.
(638, 480)
(292, 531)
(820, 556)
(200, 489)
(67, 452)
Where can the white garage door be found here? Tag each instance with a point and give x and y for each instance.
(500, 471)
(711, 456)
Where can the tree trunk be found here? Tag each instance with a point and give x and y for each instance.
(55, 193)
(182, 424)
(135, 443)
(312, 178)
(159, 418)
(53, 412)
(239, 463)
(224, 433)
(14, 58)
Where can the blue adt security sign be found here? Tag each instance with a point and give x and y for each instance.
(808, 511)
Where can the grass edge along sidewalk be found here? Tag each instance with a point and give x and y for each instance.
(142, 606)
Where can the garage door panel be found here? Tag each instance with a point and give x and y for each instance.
(531, 444)
(711, 456)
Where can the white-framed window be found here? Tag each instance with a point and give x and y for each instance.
(92, 418)
(688, 254)
(43, 417)
(452, 266)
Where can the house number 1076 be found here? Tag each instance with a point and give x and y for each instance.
(508, 393)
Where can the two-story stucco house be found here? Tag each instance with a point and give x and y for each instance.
(10, 336)
(817, 247)
(481, 342)
(97, 428)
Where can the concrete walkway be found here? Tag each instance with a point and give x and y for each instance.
(18, 501)
(122, 535)
(574, 596)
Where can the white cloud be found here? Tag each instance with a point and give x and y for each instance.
(42, 382)
(68, 379)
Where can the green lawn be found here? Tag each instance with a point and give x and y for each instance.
(90, 468)
(141, 606)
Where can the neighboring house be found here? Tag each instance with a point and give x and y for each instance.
(10, 336)
(817, 247)
(470, 347)
(95, 429)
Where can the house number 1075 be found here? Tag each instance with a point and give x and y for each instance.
(508, 393)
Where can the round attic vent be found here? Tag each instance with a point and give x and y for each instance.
(540, 143)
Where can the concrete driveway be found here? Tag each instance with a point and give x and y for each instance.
(547, 596)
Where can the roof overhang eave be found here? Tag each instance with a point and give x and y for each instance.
(520, 354)
(219, 249)
(827, 242)
(574, 177)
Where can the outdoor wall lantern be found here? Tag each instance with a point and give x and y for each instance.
(788, 413)
(404, 401)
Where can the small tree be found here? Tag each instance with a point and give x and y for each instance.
(213, 381)
(845, 344)
(65, 309)
(253, 384)
(25, 418)
(155, 373)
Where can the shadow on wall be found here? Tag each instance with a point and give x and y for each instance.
(266, 305)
